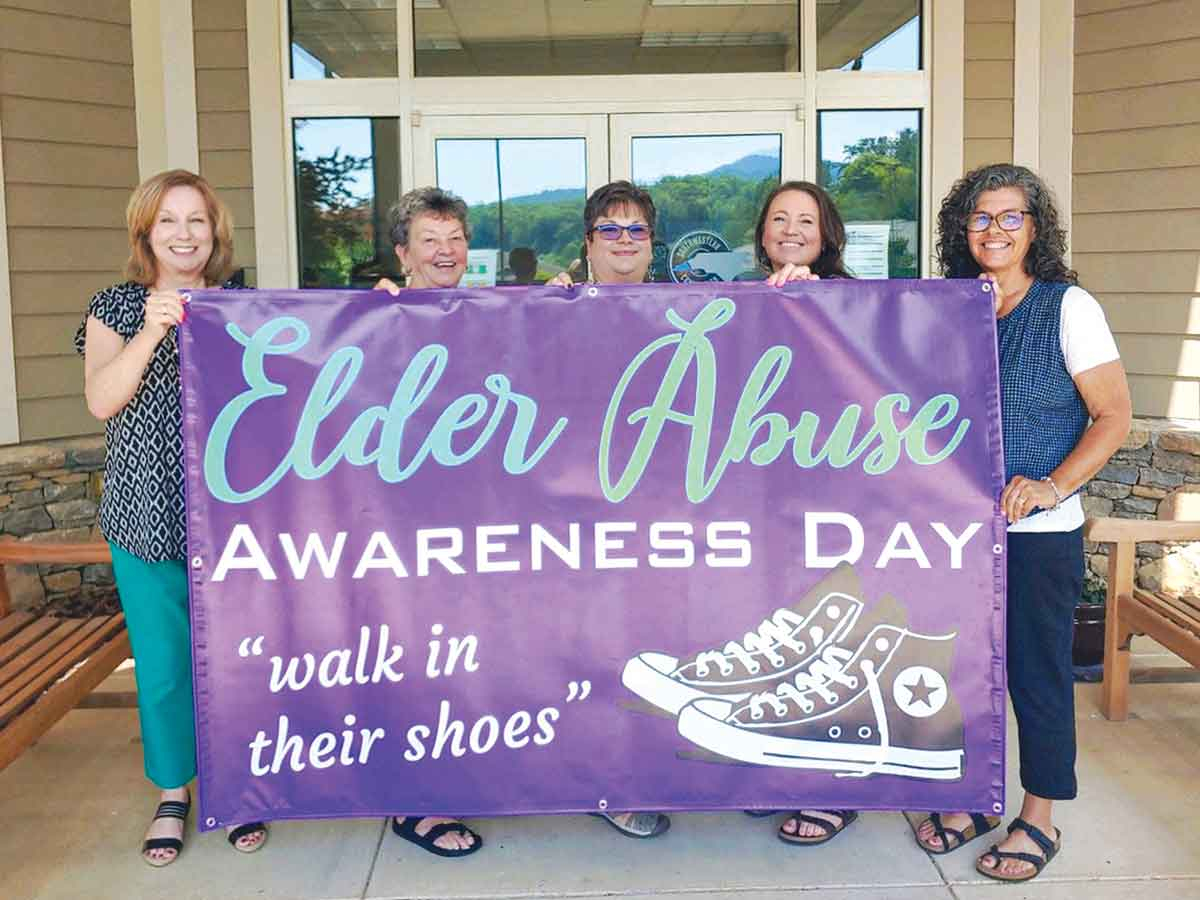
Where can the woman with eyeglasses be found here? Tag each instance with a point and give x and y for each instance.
(1059, 368)
(618, 235)
(618, 224)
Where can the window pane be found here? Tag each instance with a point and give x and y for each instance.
(347, 177)
(617, 37)
(707, 190)
(525, 200)
(871, 165)
(869, 35)
(343, 38)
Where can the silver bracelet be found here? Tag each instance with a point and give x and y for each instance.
(1058, 497)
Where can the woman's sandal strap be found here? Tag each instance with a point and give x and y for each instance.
(172, 809)
(407, 829)
(162, 843)
(1036, 835)
(827, 827)
(1038, 862)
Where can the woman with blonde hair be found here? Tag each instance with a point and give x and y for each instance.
(180, 238)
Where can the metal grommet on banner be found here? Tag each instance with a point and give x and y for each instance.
(997, 549)
(197, 562)
(987, 287)
(997, 808)
(593, 291)
(603, 804)
(210, 822)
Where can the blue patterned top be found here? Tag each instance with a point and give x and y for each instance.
(1042, 412)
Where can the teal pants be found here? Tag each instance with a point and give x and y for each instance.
(154, 596)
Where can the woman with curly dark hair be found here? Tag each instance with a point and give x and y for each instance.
(1058, 368)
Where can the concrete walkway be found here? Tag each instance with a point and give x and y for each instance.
(73, 809)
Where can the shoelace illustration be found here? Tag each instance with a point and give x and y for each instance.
(828, 669)
(772, 632)
(777, 630)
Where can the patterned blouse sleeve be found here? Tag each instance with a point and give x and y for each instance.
(105, 306)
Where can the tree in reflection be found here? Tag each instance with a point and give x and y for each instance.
(336, 225)
(878, 183)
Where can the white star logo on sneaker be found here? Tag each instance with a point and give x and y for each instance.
(920, 691)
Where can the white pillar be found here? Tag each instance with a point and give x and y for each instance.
(164, 85)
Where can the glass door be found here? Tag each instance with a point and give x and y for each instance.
(708, 174)
(525, 180)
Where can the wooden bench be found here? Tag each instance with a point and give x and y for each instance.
(1172, 621)
(47, 663)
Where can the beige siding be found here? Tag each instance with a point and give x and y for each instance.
(223, 115)
(1136, 195)
(988, 83)
(70, 160)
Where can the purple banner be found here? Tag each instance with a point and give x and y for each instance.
(482, 552)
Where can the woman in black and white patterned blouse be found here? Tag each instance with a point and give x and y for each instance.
(180, 237)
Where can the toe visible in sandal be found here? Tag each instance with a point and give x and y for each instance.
(407, 828)
(980, 825)
(239, 834)
(829, 830)
(1048, 847)
(167, 809)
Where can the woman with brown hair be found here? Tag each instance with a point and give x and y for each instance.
(180, 238)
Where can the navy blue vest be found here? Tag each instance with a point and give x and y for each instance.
(1041, 410)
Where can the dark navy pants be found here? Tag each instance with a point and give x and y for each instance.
(1045, 580)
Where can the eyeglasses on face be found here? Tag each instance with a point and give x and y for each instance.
(1009, 220)
(611, 231)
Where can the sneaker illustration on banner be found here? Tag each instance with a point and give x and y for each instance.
(783, 646)
(879, 705)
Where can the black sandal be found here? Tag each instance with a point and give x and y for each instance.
(1048, 847)
(408, 830)
(828, 829)
(980, 825)
(167, 809)
(245, 831)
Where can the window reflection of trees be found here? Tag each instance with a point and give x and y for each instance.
(336, 225)
(878, 182)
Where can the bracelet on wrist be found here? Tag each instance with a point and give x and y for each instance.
(1058, 497)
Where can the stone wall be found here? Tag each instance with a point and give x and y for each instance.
(51, 492)
(1156, 474)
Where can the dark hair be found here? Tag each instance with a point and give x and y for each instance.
(426, 200)
(608, 197)
(829, 263)
(1044, 259)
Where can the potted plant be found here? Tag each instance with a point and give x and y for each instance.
(1087, 653)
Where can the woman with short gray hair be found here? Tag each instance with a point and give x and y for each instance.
(430, 233)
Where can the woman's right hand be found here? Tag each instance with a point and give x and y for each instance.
(791, 272)
(562, 279)
(164, 310)
(386, 284)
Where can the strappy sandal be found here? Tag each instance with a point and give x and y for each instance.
(1048, 847)
(246, 830)
(408, 830)
(639, 825)
(828, 830)
(980, 825)
(167, 809)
